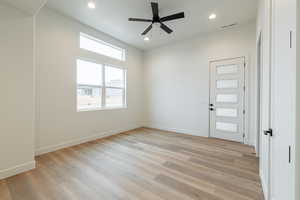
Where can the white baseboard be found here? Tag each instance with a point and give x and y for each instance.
(63, 145)
(17, 169)
(173, 129)
(179, 130)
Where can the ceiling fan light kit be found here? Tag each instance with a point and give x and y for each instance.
(157, 19)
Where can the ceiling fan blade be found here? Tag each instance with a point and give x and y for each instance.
(139, 20)
(172, 17)
(165, 28)
(147, 30)
(154, 6)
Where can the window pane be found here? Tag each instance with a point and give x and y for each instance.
(227, 98)
(89, 97)
(114, 77)
(92, 44)
(226, 112)
(227, 84)
(88, 73)
(229, 127)
(227, 69)
(114, 97)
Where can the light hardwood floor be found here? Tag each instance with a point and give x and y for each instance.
(143, 164)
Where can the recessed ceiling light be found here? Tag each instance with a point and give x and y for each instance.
(146, 39)
(91, 5)
(212, 16)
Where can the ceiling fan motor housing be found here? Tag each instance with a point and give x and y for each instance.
(157, 19)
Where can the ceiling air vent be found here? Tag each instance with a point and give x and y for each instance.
(229, 25)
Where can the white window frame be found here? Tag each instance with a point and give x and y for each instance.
(103, 88)
(103, 43)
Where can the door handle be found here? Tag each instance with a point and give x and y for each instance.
(269, 132)
(211, 107)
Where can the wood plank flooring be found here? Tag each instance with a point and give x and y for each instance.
(143, 164)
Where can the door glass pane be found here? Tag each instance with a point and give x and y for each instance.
(227, 84)
(114, 77)
(227, 98)
(89, 97)
(114, 97)
(227, 69)
(226, 112)
(222, 126)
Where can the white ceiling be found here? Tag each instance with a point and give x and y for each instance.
(29, 6)
(111, 17)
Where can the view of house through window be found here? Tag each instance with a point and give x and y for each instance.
(100, 86)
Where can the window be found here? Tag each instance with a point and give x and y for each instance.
(89, 85)
(95, 45)
(114, 86)
(100, 86)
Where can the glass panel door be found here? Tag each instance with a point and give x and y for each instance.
(227, 99)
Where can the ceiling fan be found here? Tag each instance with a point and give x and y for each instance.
(157, 19)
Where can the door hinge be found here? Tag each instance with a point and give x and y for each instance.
(244, 88)
(291, 39)
(244, 135)
(244, 64)
(244, 112)
(290, 156)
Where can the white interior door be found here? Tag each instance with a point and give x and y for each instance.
(284, 67)
(265, 122)
(264, 62)
(227, 96)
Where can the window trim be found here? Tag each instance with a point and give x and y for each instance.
(104, 43)
(103, 89)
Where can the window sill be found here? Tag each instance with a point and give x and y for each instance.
(102, 109)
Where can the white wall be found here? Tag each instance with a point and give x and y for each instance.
(177, 79)
(59, 124)
(17, 91)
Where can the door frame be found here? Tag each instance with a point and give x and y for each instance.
(260, 43)
(246, 94)
(258, 92)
